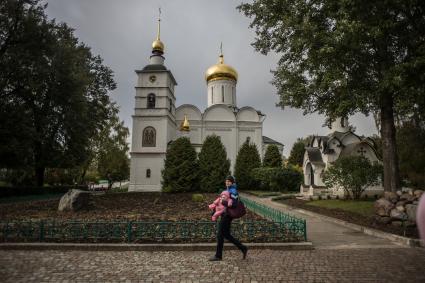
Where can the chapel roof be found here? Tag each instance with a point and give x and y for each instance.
(314, 155)
(268, 140)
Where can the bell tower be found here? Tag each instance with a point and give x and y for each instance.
(154, 122)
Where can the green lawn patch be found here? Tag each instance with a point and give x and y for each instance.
(264, 194)
(363, 207)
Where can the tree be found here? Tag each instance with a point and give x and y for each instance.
(272, 157)
(53, 91)
(296, 156)
(281, 179)
(112, 159)
(247, 159)
(343, 57)
(213, 164)
(352, 173)
(180, 173)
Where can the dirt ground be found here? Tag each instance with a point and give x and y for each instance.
(119, 206)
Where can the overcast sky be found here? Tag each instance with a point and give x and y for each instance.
(121, 32)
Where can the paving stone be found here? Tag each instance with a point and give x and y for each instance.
(322, 265)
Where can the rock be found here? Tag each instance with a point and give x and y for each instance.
(399, 193)
(383, 220)
(392, 197)
(418, 193)
(411, 212)
(400, 208)
(398, 215)
(74, 200)
(401, 202)
(383, 207)
(397, 223)
(407, 197)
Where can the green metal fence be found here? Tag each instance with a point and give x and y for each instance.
(279, 228)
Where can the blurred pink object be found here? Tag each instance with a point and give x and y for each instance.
(218, 205)
(420, 217)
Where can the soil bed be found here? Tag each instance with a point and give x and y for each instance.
(367, 221)
(120, 206)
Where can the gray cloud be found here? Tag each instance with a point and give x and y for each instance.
(121, 32)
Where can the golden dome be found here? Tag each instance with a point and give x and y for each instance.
(157, 45)
(221, 71)
(185, 127)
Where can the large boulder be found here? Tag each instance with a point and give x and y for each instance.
(411, 212)
(390, 196)
(398, 215)
(74, 200)
(383, 207)
(418, 193)
(407, 197)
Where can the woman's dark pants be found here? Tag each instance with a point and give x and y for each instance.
(223, 232)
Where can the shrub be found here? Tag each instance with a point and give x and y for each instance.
(213, 164)
(197, 197)
(353, 173)
(277, 179)
(180, 173)
(247, 159)
(272, 157)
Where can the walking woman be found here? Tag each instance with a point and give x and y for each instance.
(223, 230)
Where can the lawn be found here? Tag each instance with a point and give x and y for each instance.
(363, 207)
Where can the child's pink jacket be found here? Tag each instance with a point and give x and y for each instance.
(218, 205)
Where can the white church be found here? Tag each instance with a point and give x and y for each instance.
(323, 150)
(157, 122)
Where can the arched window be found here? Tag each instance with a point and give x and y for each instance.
(148, 173)
(248, 139)
(149, 137)
(212, 95)
(151, 100)
(171, 104)
(222, 93)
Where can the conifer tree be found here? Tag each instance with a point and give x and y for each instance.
(248, 158)
(213, 164)
(272, 157)
(180, 173)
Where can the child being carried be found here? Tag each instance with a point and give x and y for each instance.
(220, 205)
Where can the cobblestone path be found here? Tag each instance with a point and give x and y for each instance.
(324, 265)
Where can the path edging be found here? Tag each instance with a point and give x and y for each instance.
(149, 247)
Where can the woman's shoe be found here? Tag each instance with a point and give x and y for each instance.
(244, 252)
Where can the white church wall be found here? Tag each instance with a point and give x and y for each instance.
(248, 114)
(140, 163)
(221, 92)
(160, 126)
(349, 139)
(218, 112)
(192, 112)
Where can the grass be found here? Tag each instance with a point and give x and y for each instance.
(30, 198)
(363, 207)
(263, 194)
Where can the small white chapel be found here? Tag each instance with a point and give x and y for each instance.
(157, 122)
(323, 150)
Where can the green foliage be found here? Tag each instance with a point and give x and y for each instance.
(213, 164)
(411, 150)
(54, 92)
(277, 179)
(198, 198)
(181, 168)
(352, 173)
(272, 157)
(343, 57)
(247, 159)
(364, 208)
(296, 156)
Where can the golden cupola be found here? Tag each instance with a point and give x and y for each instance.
(157, 45)
(221, 71)
(185, 126)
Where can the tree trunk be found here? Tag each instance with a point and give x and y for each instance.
(39, 175)
(389, 147)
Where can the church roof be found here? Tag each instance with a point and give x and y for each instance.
(268, 140)
(314, 155)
